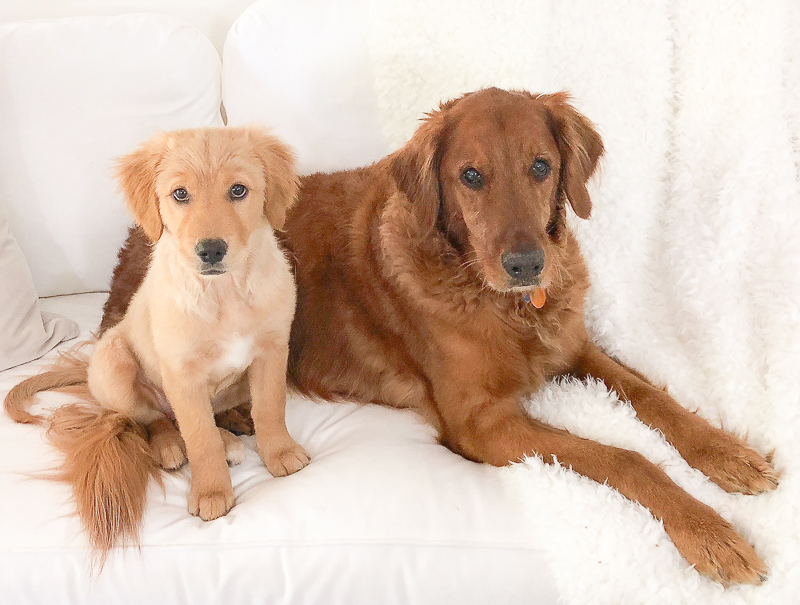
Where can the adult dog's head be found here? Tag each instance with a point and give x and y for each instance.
(492, 172)
(210, 189)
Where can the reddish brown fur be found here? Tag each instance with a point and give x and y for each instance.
(132, 263)
(402, 300)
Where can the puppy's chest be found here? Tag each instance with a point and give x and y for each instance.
(234, 355)
(225, 342)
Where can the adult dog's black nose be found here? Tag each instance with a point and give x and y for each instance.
(523, 264)
(211, 251)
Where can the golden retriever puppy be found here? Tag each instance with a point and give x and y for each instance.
(207, 330)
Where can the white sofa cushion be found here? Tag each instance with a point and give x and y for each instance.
(74, 95)
(383, 514)
(303, 68)
(25, 333)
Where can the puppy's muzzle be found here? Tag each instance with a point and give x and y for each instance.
(211, 252)
(523, 264)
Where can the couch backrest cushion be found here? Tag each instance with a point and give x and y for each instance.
(74, 95)
(303, 68)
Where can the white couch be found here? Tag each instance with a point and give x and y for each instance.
(693, 250)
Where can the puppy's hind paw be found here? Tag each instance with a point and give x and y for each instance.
(234, 448)
(169, 451)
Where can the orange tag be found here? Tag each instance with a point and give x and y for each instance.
(537, 299)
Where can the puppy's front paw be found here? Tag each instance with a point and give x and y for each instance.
(733, 465)
(210, 505)
(285, 460)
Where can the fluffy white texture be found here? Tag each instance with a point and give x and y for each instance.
(693, 250)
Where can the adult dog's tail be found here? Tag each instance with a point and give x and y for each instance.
(107, 459)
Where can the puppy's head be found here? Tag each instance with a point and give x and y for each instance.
(209, 188)
(492, 172)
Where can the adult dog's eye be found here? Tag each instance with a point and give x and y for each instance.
(471, 178)
(552, 226)
(181, 195)
(237, 191)
(540, 169)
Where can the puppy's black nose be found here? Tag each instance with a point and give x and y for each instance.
(211, 251)
(523, 264)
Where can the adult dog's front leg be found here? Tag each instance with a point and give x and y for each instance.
(726, 460)
(267, 374)
(497, 431)
(211, 494)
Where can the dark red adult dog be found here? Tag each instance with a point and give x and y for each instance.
(444, 278)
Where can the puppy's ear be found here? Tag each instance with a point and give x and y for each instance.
(137, 173)
(580, 146)
(282, 183)
(415, 166)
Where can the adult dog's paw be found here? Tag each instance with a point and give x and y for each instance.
(732, 464)
(715, 548)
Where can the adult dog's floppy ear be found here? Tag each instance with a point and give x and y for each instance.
(137, 173)
(415, 166)
(282, 183)
(580, 146)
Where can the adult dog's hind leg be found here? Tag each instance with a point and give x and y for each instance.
(726, 460)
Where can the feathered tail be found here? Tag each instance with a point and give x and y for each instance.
(107, 459)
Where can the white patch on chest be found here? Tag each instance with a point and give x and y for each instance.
(237, 354)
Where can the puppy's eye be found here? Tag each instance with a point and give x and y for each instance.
(237, 191)
(181, 195)
(471, 178)
(540, 169)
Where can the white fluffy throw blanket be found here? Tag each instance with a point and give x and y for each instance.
(693, 246)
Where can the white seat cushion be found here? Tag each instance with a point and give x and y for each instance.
(74, 95)
(303, 69)
(383, 514)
